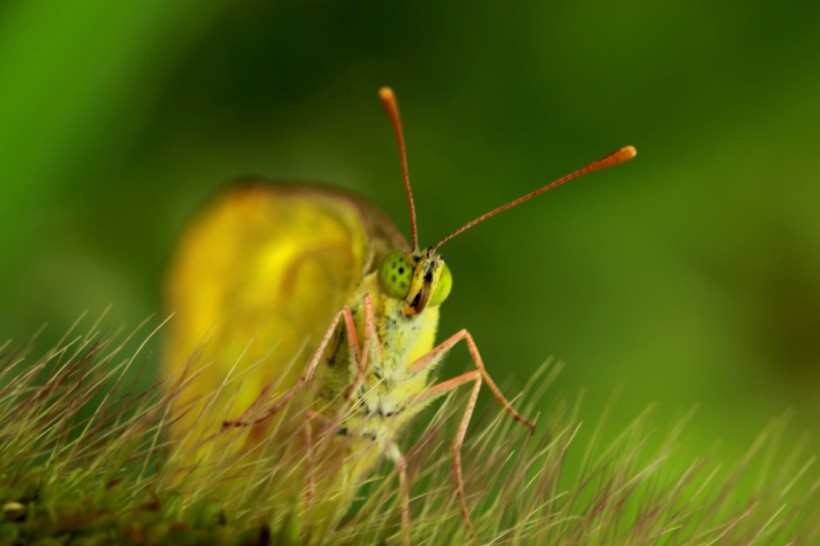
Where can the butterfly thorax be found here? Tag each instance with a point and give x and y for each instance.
(386, 392)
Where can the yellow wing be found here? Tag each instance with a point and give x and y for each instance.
(254, 282)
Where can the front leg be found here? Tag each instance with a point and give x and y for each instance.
(356, 352)
(441, 349)
(476, 376)
(369, 343)
(398, 459)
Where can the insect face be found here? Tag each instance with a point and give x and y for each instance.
(420, 279)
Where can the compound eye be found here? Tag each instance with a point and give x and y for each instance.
(395, 274)
(443, 286)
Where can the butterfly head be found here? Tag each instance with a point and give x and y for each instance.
(420, 279)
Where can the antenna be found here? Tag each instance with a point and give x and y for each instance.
(391, 106)
(615, 158)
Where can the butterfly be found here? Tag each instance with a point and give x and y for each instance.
(315, 299)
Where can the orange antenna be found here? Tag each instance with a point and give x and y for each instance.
(391, 106)
(615, 158)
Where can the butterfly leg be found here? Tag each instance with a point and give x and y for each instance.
(371, 339)
(477, 376)
(404, 490)
(439, 390)
(433, 357)
(352, 340)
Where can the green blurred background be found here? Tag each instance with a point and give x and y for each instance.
(691, 273)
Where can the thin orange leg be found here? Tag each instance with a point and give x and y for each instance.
(478, 376)
(352, 341)
(371, 337)
(435, 354)
(404, 490)
(439, 390)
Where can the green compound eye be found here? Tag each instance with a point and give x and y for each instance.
(395, 274)
(443, 287)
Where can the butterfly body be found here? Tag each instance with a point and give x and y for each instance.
(258, 276)
(304, 339)
(387, 392)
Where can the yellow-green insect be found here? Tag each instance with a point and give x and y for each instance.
(315, 299)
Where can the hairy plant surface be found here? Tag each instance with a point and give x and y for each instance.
(85, 459)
